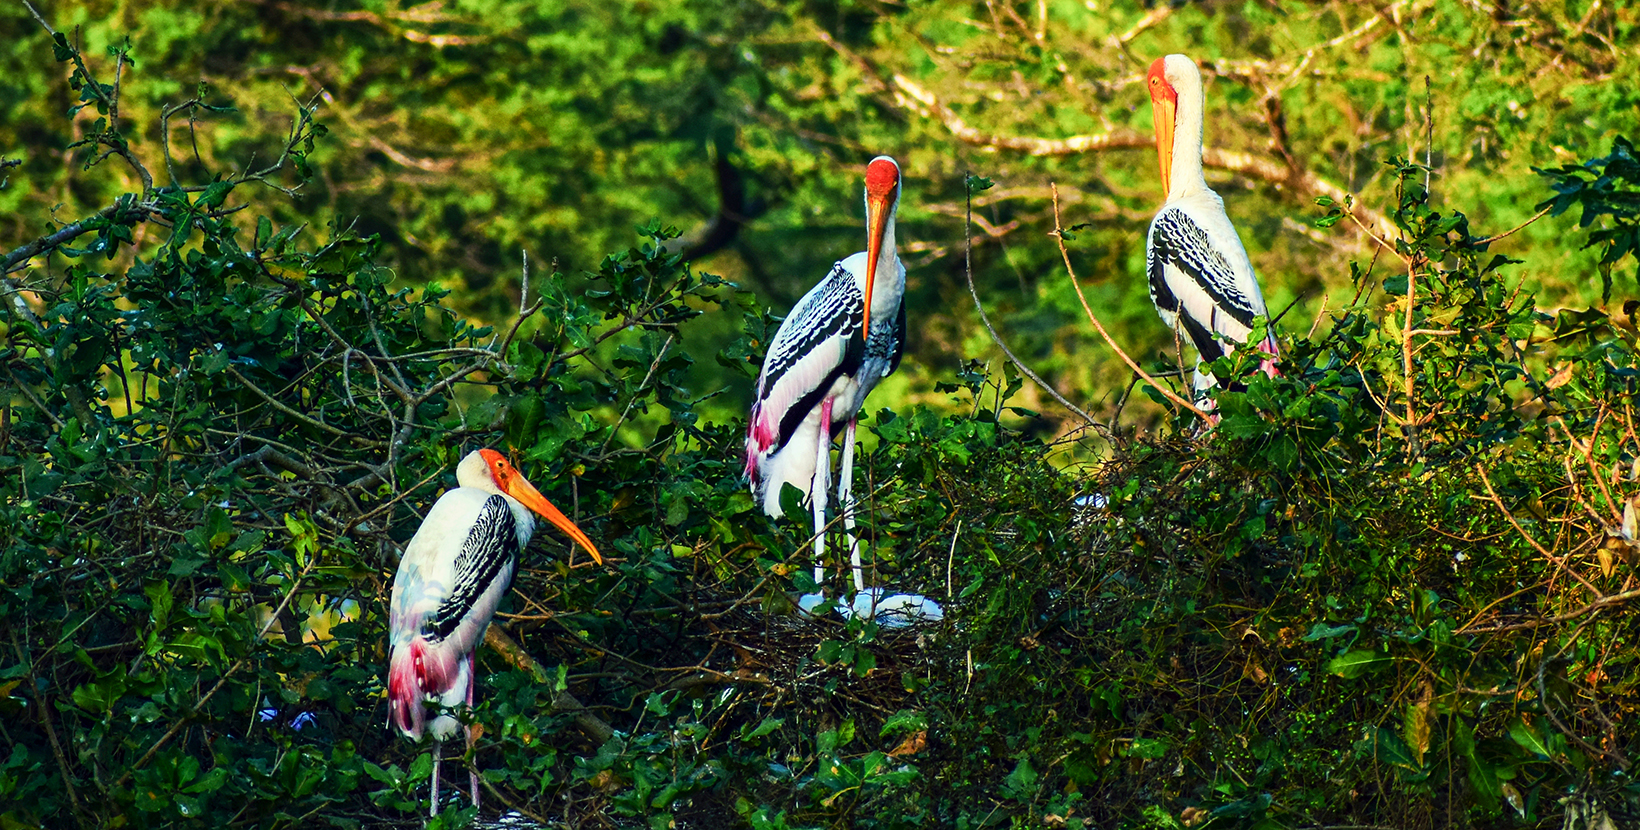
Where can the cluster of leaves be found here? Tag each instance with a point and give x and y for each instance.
(1603, 187)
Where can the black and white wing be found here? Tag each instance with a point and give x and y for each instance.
(483, 571)
(1201, 279)
(817, 343)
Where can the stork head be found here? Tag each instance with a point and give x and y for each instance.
(882, 200)
(489, 470)
(1168, 78)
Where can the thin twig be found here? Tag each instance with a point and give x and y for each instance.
(1059, 236)
(276, 404)
(1558, 561)
(1495, 237)
(968, 271)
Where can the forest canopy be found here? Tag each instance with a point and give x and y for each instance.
(461, 133)
(269, 268)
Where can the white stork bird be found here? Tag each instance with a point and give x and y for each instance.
(450, 580)
(1200, 277)
(840, 339)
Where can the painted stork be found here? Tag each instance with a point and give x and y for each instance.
(1200, 277)
(450, 580)
(846, 334)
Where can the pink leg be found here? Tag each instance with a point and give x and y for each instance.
(472, 761)
(817, 492)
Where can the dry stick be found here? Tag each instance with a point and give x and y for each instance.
(1406, 360)
(499, 796)
(34, 399)
(1595, 605)
(655, 364)
(1543, 697)
(968, 271)
(1059, 236)
(1322, 312)
(562, 701)
(1558, 561)
(51, 730)
(365, 517)
(1612, 504)
(274, 402)
(1513, 230)
(238, 664)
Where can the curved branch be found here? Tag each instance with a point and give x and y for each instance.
(968, 270)
(912, 97)
(1058, 234)
(562, 701)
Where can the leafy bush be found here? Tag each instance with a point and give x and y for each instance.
(1391, 589)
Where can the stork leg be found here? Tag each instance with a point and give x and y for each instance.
(817, 492)
(845, 501)
(438, 750)
(472, 760)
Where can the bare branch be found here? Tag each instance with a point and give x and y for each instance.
(1059, 236)
(19, 256)
(1559, 562)
(562, 701)
(968, 271)
(913, 97)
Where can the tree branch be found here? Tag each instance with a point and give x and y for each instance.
(1059, 236)
(509, 649)
(17, 257)
(968, 270)
(912, 97)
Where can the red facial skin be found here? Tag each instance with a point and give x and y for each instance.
(882, 184)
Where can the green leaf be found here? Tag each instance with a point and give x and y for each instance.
(1147, 748)
(1527, 736)
(1357, 662)
(1322, 631)
(160, 600)
(1021, 782)
(1389, 748)
(903, 721)
(766, 727)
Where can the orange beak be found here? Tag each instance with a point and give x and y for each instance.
(876, 224)
(520, 488)
(1164, 108)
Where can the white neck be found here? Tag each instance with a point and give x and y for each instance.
(1187, 138)
(889, 257)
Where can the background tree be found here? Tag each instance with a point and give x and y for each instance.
(464, 132)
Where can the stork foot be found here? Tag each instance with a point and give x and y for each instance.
(808, 602)
(894, 610)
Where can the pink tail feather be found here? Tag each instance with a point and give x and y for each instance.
(759, 436)
(416, 673)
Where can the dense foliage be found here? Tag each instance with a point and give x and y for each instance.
(1393, 588)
